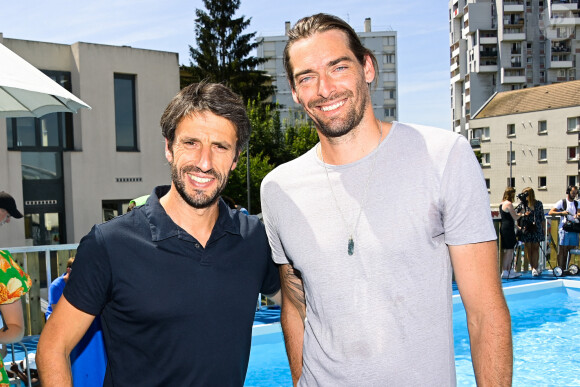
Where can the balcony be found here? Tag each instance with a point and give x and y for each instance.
(487, 68)
(564, 5)
(513, 6)
(512, 76)
(514, 34)
(475, 142)
(488, 40)
(488, 53)
(561, 64)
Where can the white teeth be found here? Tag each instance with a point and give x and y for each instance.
(199, 179)
(332, 107)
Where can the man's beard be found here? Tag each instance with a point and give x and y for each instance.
(339, 127)
(200, 199)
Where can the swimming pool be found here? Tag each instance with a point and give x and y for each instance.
(546, 337)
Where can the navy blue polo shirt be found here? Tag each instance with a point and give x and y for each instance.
(173, 312)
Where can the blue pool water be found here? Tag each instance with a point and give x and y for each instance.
(546, 337)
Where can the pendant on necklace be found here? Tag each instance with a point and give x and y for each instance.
(350, 246)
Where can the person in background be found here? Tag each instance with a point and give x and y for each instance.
(137, 202)
(567, 209)
(536, 231)
(88, 359)
(175, 280)
(508, 233)
(14, 283)
(57, 286)
(367, 275)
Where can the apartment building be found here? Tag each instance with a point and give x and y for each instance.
(501, 45)
(529, 138)
(383, 44)
(69, 171)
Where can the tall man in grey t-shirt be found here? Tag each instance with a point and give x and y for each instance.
(367, 227)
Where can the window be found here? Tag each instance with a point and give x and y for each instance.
(391, 93)
(572, 153)
(542, 155)
(390, 112)
(390, 40)
(542, 182)
(389, 58)
(511, 157)
(542, 127)
(488, 184)
(511, 130)
(125, 113)
(54, 131)
(573, 124)
(572, 180)
(511, 182)
(485, 159)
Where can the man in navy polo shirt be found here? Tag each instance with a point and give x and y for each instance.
(175, 280)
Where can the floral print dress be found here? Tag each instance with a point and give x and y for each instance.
(14, 283)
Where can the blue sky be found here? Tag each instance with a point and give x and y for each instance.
(422, 28)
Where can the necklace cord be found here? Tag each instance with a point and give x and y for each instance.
(354, 229)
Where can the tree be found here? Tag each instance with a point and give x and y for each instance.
(223, 51)
(237, 183)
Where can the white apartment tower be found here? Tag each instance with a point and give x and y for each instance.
(501, 45)
(383, 44)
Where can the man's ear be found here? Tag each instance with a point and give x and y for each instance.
(168, 153)
(369, 69)
(235, 163)
(294, 96)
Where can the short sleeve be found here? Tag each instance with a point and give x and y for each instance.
(89, 284)
(465, 200)
(271, 282)
(270, 222)
(14, 282)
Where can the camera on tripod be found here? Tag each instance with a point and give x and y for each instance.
(523, 197)
(526, 222)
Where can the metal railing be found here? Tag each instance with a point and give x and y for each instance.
(41, 273)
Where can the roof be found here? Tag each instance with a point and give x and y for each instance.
(554, 96)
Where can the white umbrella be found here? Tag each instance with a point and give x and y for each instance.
(26, 91)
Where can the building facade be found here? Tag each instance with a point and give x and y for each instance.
(383, 44)
(67, 171)
(529, 138)
(502, 45)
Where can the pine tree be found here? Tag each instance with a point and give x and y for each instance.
(223, 51)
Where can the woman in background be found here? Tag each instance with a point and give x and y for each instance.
(508, 233)
(14, 283)
(535, 235)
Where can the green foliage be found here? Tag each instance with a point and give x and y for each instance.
(223, 51)
(270, 146)
(237, 184)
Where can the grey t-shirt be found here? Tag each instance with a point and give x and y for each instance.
(382, 316)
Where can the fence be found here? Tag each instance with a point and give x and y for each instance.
(29, 258)
(56, 256)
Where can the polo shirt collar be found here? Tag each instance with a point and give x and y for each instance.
(163, 227)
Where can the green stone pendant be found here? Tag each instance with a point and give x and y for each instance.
(350, 246)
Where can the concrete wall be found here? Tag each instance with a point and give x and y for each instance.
(91, 170)
(525, 144)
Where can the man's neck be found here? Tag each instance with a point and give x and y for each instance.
(198, 222)
(355, 145)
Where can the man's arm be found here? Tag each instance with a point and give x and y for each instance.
(488, 319)
(292, 317)
(62, 332)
